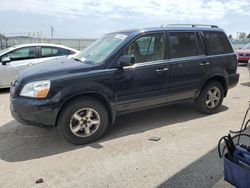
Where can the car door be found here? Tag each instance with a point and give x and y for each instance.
(146, 82)
(20, 59)
(189, 65)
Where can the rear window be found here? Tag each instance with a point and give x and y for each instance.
(217, 43)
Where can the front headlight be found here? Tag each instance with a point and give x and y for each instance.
(39, 89)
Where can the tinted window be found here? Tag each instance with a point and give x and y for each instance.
(182, 44)
(217, 43)
(22, 53)
(147, 48)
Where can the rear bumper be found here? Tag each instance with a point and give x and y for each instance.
(33, 112)
(233, 80)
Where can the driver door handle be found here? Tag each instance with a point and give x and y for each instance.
(162, 70)
(204, 63)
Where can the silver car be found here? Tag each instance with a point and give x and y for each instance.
(18, 57)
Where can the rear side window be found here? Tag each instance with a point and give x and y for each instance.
(49, 52)
(53, 51)
(67, 52)
(217, 43)
(182, 44)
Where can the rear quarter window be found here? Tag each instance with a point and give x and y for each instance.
(217, 43)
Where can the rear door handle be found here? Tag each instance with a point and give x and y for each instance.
(162, 70)
(204, 63)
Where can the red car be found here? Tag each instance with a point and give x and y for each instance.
(244, 54)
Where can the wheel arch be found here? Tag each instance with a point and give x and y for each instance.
(108, 105)
(219, 78)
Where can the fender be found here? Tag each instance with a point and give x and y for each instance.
(93, 89)
(216, 73)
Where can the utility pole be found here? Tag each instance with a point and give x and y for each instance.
(52, 32)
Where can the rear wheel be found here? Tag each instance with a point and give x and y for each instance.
(210, 98)
(83, 120)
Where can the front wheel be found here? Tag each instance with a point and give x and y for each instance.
(210, 98)
(83, 120)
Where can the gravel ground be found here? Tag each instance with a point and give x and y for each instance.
(186, 155)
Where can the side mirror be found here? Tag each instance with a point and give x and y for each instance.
(5, 60)
(126, 60)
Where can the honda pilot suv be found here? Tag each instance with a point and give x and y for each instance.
(124, 72)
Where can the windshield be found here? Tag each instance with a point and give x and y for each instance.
(247, 47)
(100, 49)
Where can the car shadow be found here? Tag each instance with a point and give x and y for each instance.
(21, 143)
(246, 84)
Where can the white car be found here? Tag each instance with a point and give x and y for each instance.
(18, 57)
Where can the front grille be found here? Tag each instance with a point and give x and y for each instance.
(244, 55)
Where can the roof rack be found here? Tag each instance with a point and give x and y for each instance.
(189, 25)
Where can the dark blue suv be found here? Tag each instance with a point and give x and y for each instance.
(124, 72)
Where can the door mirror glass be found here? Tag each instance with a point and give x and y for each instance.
(126, 60)
(5, 60)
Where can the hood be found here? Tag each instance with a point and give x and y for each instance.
(242, 51)
(55, 67)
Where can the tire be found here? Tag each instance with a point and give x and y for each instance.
(202, 101)
(78, 121)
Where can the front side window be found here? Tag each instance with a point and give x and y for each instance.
(146, 48)
(217, 43)
(22, 53)
(182, 44)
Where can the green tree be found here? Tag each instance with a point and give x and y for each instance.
(248, 36)
(242, 35)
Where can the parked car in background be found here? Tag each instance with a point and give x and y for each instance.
(18, 57)
(243, 54)
(124, 72)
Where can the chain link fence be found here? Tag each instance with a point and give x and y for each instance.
(77, 44)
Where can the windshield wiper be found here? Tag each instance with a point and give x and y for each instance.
(79, 60)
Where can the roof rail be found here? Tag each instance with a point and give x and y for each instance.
(189, 25)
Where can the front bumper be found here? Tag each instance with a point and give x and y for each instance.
(233, 80)
(243, 60)
(33, 112)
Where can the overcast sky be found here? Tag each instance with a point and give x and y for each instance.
(89, 18)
